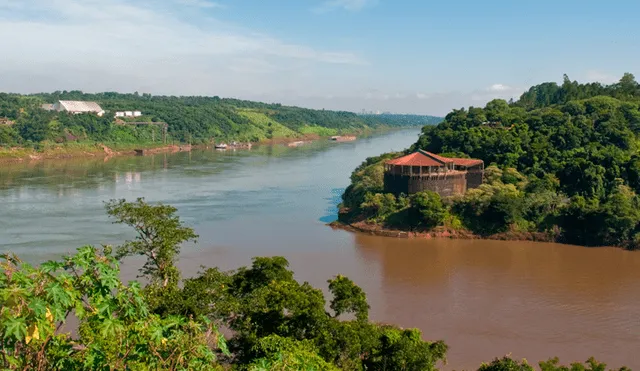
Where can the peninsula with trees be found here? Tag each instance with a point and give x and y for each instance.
(73, 119)
(561, 163)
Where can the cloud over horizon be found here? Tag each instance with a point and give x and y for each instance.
(437, 104)
(602, 77)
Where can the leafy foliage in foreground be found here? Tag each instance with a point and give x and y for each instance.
(509, 364)
(116, 329)
(277, 322)
(565, 165)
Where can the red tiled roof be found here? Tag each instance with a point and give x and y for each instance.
(438, 157)
(415, 159)
(424, 158)
(467, 161)
(419, 158)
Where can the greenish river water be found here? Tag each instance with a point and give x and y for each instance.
(485, 298)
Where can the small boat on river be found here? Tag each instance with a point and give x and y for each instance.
(239, 145)
(221, 146)
(339, 138)
(296, 144)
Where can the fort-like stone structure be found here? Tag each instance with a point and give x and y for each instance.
(425, 171)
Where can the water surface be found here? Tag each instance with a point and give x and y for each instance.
(485, 298)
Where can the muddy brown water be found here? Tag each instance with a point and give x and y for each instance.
(484, 298)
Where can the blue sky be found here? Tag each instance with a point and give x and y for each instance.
(401, 56)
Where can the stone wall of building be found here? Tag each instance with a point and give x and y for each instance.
(444, 185)
(475, 178)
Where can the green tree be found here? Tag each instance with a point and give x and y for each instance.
(33, 128)
(506, 364)
(490, 209)
(348, 298)
(8, 135)
(278, 353)
(379, 205)
(159, 236)
(427, 209)
(590, 365)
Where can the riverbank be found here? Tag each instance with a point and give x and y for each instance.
(441, 232)
(77, 150)
(287, 140)
(56, 151)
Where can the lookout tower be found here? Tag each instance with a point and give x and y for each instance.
(425, 171)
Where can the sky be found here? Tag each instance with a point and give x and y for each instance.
(403, 56)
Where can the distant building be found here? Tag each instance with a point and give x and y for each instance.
(77, 107)
(425, 171)
(47, 107)
(128, 114)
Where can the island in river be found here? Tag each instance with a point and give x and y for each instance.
(563, 166)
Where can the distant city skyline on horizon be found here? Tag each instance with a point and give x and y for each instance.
(378, 55)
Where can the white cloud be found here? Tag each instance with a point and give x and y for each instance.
(252, 65)
(377, 100)
(12, 4)
(599, 76)
(201, 4)
(350, 5)
(432, 103)
(125, 46)
(499, 87)
(496, 91)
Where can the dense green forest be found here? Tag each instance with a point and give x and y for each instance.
(189, 119)
(564, 163)
(400, 119)
(277, 322)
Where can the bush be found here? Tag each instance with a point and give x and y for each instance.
(427, 209)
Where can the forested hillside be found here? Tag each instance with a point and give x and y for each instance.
(190, 119)
(565, 159)
(401, 119)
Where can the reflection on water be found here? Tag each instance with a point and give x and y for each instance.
(52, 207)
(485, 298)
(332, 210)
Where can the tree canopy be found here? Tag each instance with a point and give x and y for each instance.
(569, 154)
(191, 119)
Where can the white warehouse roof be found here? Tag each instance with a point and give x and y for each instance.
(78, 106)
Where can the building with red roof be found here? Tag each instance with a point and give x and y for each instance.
(426, 171)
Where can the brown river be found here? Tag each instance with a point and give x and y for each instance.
(484, 298)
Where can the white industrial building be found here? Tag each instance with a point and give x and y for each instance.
(128, 114)
(77, 107)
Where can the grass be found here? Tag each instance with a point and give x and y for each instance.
(268, 127)
(319, 130)
(70, 149)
